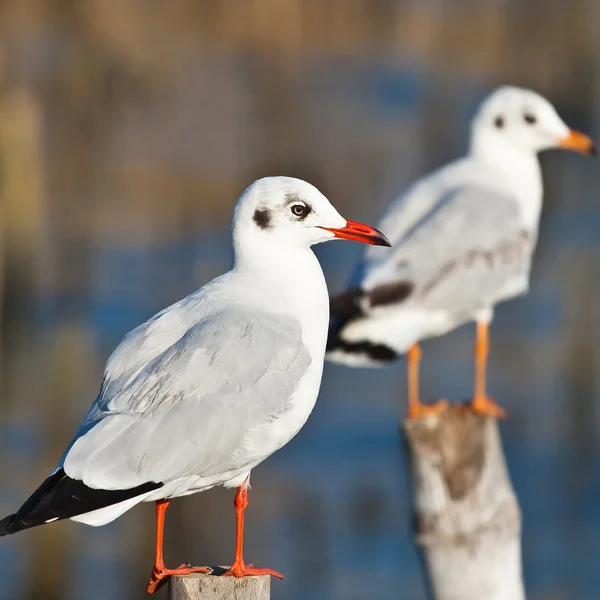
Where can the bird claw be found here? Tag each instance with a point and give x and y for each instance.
(249, 570)
(485, 406)
(159, 576)
(425, 410)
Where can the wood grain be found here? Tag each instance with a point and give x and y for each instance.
(468, 520)
(208, 587)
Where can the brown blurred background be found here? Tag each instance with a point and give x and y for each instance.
(127, 130)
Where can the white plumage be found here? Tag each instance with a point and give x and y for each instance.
(211, 386)
(463, 237)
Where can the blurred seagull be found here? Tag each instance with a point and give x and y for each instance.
(463, 241)
(211, 386)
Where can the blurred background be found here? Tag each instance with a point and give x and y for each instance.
(127, 131)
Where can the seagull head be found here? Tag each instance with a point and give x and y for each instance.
(516, 120)
(284, 212)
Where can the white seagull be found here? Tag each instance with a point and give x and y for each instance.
(208, 388)
(463, 239)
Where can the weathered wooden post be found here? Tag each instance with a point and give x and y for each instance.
(468, 520)
(209, 587)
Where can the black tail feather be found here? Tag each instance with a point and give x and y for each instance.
(61, 497)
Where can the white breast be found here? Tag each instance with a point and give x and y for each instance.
(304, 296)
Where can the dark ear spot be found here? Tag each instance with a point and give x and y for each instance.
(390, 293)
(262, 217)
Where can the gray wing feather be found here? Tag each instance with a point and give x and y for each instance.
(460, 254)
(187, 411)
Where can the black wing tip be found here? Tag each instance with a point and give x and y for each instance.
(61, 497)
(374, 352)
(344, 307)
(13, 524)
(391, 293)
(346, 304)
(7, 526)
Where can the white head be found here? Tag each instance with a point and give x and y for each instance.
(278, 213)
(516, 121)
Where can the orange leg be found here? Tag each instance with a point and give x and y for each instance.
(482, 403)
(415, 408)
(239, 568)
(160, 572)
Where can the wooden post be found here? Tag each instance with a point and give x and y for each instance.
(209, 587)
(468, 521)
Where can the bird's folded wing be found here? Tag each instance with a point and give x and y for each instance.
(188, 410)
(463, 252)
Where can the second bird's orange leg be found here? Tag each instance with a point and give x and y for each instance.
(160, 572)
(415, 408)
(239, 568)
(482, 403)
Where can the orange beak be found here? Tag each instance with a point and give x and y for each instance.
(360, 233)
(578, 142)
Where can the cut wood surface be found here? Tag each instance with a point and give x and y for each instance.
(468, 520)
(209, 587)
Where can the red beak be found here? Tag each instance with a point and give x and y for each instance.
(360, 233)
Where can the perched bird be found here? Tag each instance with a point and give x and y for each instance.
(463, 239)
(208, 388)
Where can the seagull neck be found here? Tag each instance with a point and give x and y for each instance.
(287, 280)
(518, 172)
(490, 148)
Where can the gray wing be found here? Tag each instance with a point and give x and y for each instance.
(188, 410)
(460, 255)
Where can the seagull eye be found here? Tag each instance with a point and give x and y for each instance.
(300, 210)
(530, 119)
(499, 122)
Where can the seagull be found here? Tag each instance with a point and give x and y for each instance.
(211, 386)
(463, 239)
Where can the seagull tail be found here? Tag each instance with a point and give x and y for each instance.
(345, 310)
(61, 497)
